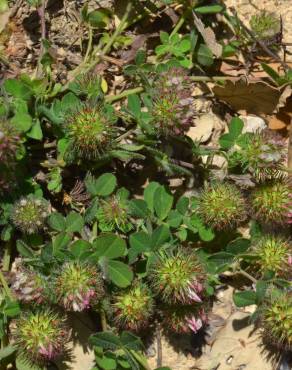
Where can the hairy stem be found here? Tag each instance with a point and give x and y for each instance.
(42, 15)
(248, 276)
(89, 45)
(103, 319)
(159, 346)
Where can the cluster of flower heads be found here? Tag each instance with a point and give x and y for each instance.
(27, 285)
(274, 253)
(29, 214)
(173, 107)
(271, 202)
(134, 307)
(276, 320)
(113, 213)
(262, 153)
(178, 279)
(78, 286)
(40, 336)
(91, 131)
(222, 206)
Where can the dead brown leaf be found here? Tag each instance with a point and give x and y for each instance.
(253, 97)
(208, 36)
(282, 119)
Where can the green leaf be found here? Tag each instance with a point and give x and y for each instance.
(162, 202)
(131, 341)
(11, 309)
(164, 37)
(235, 127)
(271, 72)
(120, 273)
(138, 208)
(140, 57)
(110, 246)
(36, 131)
(74, 222)
(60, 241)
(98, 18)
(24, 249)
(238, 246)
(17, 89)
(103, 186)
(79, 247)
(205, 56)
(246, 298)
(184, 45)
(106, 363)
(149, 194)
(261, 289)
(182, 205)
(209, 9)
(134, 105)
(160, 236)
(22, 121)
(174, 218)
(57, 222)
(107, 340)
(6, 352)
(140, 242)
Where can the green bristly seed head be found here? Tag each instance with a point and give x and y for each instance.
(273, 254)
(177, 277)
(222, 206)
(90, 131)
(271, 202)
(134, 307)
(29, 214)
(78, 286)
(113, 213)
(265, 25)
(40, 337)
(277, 321)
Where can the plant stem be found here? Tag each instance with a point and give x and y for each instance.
(248, 276)
(159, 346)
(124, 94)
(5, 286)
(7, 256)
(179, 23)
(42, 15)
(89, 45)
(103, 320)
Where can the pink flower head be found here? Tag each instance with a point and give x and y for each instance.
(194, 296)
(195, 324)
(47, 352)
(290, 260)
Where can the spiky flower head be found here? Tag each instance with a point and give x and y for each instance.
(276, 319)
(183, 319)
(271, 202)
(265, 25)
(40, 337)
(27, 285)
(263, 154)
(91, 131)
(178, 277)
(133, 307)
(222, 206)
(29, 214)
(273, 254)
(113, 213)
(88, 84)
(9, 141)
(173, 105)
(78, 286)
